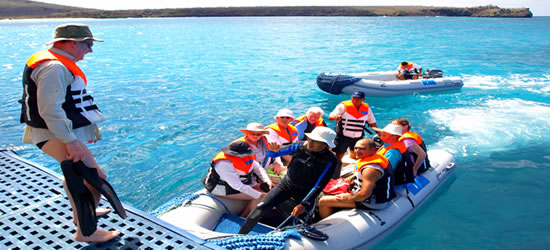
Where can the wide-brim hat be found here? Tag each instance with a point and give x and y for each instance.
(254, 127)
(323, 134)
(239, 149)
(73, 32)
(391, 129)
(284, 113)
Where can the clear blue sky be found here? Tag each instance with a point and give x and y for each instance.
(537, 7)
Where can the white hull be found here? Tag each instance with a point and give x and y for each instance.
(384, 84)
(347, 229)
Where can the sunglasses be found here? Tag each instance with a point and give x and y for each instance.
(88, 43)
(256, 134)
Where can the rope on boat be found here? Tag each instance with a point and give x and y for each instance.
(183, 200)
(174, 203)
(274, 240)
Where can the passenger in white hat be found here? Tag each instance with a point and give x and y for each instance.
(284, 134)
(310, 170)
(393, 149)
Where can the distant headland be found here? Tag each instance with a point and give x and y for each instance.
(10, 9)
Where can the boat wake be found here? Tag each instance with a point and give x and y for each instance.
(538, 85)
(492, 126)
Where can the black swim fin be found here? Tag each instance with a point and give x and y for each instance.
(92, 177)
(82, 197)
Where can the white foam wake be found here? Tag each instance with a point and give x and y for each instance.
(539, 85)
(493, 126)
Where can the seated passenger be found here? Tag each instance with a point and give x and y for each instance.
(230, 175)
(396, 153)
(306, 123)
(415, 145)
(284, 134)
(254, 135)
(309, 172)
(409, 70)
(371, 182)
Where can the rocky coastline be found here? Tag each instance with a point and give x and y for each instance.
(10, 9)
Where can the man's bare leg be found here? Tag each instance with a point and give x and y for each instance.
(56, 149)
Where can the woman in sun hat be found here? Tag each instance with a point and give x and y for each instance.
(255, 136)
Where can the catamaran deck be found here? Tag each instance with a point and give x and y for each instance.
(35, 214)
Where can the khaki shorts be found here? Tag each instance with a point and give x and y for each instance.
(37, 135)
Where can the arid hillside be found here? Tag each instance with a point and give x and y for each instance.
(32, 9)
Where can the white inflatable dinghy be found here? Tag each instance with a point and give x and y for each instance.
(215, 219)
(386, 83)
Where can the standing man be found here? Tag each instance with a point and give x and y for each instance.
(408, 70)
(308, 173)
(352, 116)
(59, 114)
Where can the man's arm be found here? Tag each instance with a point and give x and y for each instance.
(370, 177)
(227, 173)
(420, 159)
(260, 171)
(336, 114)
(288, 151)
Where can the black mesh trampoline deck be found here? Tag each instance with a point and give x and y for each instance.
(35, 214)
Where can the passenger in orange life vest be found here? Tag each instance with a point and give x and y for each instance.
(392, 149)
(306, 123)
(408, 70)
(230, 175)
(415, 145)
(60, 115)
(255, 136)
(284, 134)
(371, 182)
(352, 116)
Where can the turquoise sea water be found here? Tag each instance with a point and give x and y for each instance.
(176, 90)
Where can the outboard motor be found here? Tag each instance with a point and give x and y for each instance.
(433, 73)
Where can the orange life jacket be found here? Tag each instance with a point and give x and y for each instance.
(408, 67)
(319, 122)
(376, 158)
(242, 164)
(383, 188)
(48, 55)
(398, 145)
(289, 136)
(411, 135)
(78, 106)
